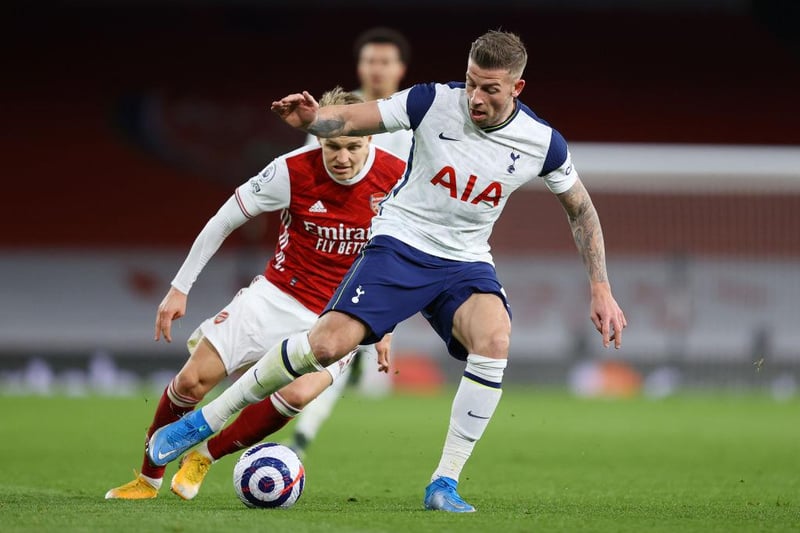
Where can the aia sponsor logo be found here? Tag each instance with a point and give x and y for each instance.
(221, 317)
(375, 201)
(489, 195)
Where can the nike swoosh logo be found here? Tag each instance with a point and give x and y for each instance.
(443, 137)
(162, 456)
(473, 415)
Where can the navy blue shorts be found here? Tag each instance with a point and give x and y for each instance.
(391, 281)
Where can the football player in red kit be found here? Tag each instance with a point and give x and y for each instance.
(327, 195)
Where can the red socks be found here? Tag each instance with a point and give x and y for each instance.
(170, 408)
(255, 422)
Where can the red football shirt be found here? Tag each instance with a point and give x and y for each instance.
(324, 223)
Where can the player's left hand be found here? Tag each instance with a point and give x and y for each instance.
(383, 348)
(607, 315)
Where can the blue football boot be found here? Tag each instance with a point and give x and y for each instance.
(170, 441)
(441, 495)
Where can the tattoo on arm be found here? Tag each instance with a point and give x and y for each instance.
(586, 230)
(359, 133)
(329, 127)
(333, 122)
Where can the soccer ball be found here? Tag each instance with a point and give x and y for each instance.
(269, 475)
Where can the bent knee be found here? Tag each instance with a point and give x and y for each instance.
(191, 385)
(494, 346)
(335, 335)
(327, 353)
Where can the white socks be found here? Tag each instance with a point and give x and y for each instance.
(153, 482)
(202, 449)
(279, 366)
(473, 406)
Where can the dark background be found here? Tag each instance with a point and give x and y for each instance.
(128, 123)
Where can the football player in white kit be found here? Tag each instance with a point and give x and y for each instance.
(474, 144)
(327, 195)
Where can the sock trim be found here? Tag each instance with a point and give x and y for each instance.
(203, 450)
(179, 399)
(479, 380)
(282, 406)
(152, 481)
(285, 358)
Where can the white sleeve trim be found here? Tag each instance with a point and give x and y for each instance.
(228, 218)
(393, 111)
(563, 178)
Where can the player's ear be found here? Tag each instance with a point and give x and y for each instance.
(518, 86)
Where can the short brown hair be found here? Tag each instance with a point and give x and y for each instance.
(338, 96)
(498, 49)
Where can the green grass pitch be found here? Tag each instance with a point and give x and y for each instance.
(548, 462)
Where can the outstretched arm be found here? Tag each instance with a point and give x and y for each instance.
(606, 314)
(301, 111)
(173, 306)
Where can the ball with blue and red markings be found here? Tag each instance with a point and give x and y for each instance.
(269, 475)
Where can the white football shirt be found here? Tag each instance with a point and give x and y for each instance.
(459, 176)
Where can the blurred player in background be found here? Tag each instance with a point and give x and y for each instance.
(474, 144)
(328, 194)
(382, 56)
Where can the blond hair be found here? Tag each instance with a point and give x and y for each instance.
(338, 96)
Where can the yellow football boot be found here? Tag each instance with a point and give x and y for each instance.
(187, 480)
(138, 489)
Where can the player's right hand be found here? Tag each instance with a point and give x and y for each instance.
(172, 307)
(299, 110)
(606, 315)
